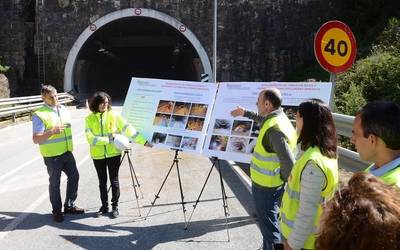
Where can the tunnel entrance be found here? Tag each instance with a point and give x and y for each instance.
(122, 45)
(134, 47)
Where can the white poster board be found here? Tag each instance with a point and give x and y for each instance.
(233, 138)
(169, 113)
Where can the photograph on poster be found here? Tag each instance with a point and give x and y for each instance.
(158, 138)
(165, 106)
(189, 143)
(174, 141)
(218, 142)
(242, 128)
(251, 146)
(178, 121)
(238, 144)
(255, 130)
(222, 126)
(161, 120)
(195, 123)
(198, 110)
(181, 108)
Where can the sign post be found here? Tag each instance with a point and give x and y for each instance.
(335, 49)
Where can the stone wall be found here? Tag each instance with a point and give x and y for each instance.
(258, 40)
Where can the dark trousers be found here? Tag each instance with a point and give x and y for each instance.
(267, 202)
(112, 164)
(55, 165)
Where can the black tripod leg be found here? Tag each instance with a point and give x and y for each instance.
(159, 191)
(180, 188)
(201, 192)
(224, 198)
(134, 174)
(134, 185)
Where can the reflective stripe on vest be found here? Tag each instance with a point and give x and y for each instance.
(265, 166)
(56, 144)
(391, 177)
(291, 197)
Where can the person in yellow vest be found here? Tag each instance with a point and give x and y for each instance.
(272, 161)
(363, 215)
(376, 135)
(314, 177)
(102, 126)
(52, 131)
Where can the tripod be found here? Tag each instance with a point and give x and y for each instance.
(216, 162)
(133, 177)
(174, 163)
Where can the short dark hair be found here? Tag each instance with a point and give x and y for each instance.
(273, 96)
(98, 98)
(382, 119)
(46, 89)
(318, 127)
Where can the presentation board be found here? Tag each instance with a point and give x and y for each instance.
(169, 113)
(234, 138)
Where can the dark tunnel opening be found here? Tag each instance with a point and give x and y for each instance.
(133, 47)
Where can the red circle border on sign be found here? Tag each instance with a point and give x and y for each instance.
(317, 46)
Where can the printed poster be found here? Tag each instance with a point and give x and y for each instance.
(234, 138)
(171, 114)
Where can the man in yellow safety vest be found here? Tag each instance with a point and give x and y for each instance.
(52, 131)
(376, 135)
(272, 161)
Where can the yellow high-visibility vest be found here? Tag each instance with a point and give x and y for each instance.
(391, 177)
(56, 144)
(265, 166)
(99, 126)
(291, 197)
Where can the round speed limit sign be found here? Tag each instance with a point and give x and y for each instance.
(335, 46)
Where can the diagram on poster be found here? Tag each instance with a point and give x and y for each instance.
(234, 138)
(169, 113)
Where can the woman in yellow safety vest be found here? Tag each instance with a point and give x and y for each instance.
(102, 125)
(314, 176)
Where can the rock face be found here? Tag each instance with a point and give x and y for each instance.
(4, 88)
(258, 40)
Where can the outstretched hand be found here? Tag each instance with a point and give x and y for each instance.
(239, 111)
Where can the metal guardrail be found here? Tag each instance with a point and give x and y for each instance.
(10, 107)
(348, 160)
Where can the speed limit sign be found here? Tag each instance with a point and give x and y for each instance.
(335, 47)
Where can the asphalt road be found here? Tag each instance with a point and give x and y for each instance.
(26, 222)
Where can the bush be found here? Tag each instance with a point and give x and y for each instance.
(376, 77)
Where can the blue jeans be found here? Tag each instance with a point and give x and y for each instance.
(267, 202)
(55, 165)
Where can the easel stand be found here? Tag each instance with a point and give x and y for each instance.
(216, 163)
(175, 162)
(133, 178)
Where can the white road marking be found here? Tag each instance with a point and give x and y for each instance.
(20, 218)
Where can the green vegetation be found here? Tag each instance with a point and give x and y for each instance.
(376, 77)
(4, 69)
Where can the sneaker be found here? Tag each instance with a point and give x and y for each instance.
(58, 216)
(114, 212)
(102, 211)
(73, 210)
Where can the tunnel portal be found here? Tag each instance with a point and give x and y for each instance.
(133, 47)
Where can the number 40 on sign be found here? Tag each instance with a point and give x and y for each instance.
(335, 47)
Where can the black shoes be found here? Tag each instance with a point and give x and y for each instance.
(58, 216)
(102, 211)
(73, 210)
(114, 212)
